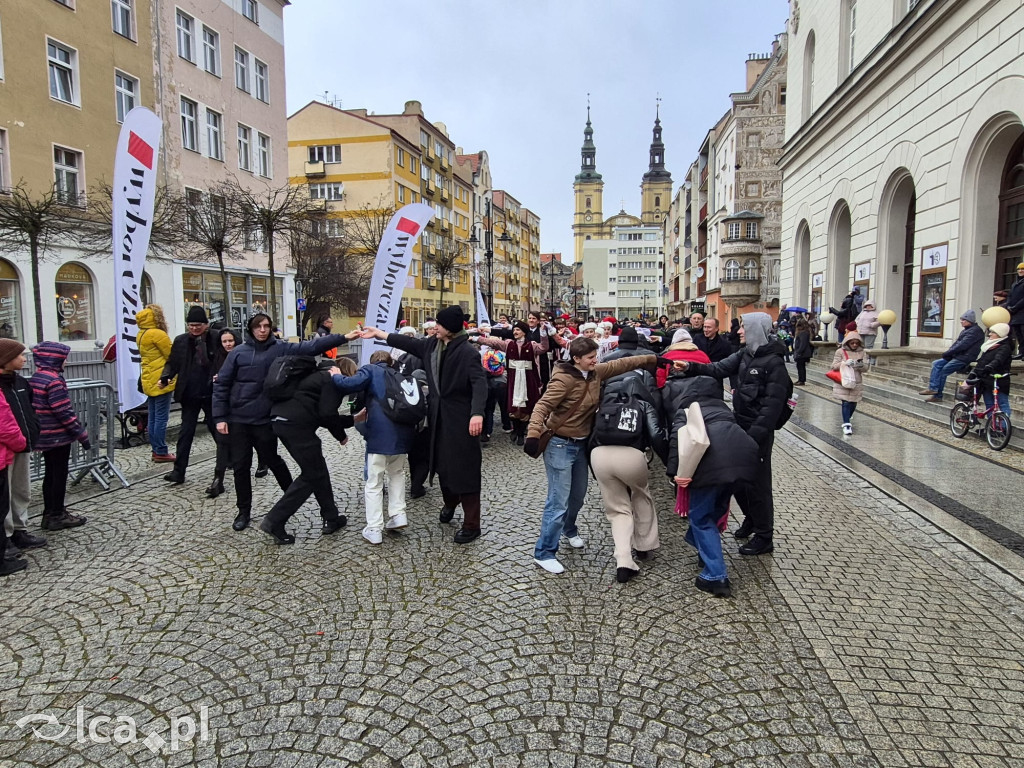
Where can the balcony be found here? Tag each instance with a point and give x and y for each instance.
(428, 154)
(316, 169)
(444, 164)
(740, 289)
(445, 197)
(429, 188)
(704, 175)
(703, 213)
(445, 225)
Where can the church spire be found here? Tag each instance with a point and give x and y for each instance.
(588, 155)
(656, 171)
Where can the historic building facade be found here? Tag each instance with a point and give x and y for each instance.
(903, 158)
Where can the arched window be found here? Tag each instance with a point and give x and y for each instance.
(657, 201)
(807, 100)
(750, 269)
(10, 302)
(146, 294)
(588, 203)
(732, 270)
(1010, 245)
(75, 308)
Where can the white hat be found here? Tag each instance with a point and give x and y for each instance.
(588, 327)
(408, 330)
(429, 324)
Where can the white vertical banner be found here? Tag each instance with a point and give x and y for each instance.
(482, 317)
(133, 199)
(390, 272)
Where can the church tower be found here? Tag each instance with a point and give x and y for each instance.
(656, 188)
(588, 219)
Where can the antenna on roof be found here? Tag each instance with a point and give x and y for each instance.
(333, 101)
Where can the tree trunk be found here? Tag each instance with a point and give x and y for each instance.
(37, 300)
(441, 301)
(227, 289)
(273, 281)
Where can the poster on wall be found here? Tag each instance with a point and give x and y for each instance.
(932, 300)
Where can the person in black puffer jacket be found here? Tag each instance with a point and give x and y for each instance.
(639, 381)
(762, 388)
(994, 361)
(730, 458)
(621, 473)
(242, 411)
(295, 421)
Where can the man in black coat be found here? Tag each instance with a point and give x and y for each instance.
(457, 395)
(191, 360)
(762, 388)
(715, 346)
(1015, 306)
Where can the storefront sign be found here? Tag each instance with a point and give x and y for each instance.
(133, 199)
(390, 270)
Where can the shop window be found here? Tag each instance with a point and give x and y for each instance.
(10, 302)
(75, 312)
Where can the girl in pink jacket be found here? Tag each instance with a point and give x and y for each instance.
(12, 441)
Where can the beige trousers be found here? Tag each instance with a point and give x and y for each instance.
(621, 474)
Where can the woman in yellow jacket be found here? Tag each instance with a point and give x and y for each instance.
(155, 348)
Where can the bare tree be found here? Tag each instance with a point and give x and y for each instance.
(332, 271)
(445, 258)
(212, 234)
(365, 226)
(35, 222)
(168, 233)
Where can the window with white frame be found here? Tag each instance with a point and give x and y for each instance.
(263, 155)
(242, 69)
(67, 169)
(214, 134)
(251, 11)
(186, 27)
(400, 157)
(121, 16)
(5, 175)
(324, 227)
(262, 81)
(852, 25)
(401, 193)
(751, 229)
(244, 147)
(324, 153)
(732, 270)
(211, 51)
(734, 230)
(750, 269)
(63, 64)
(332, 190)
(126, 94)
(189, 124)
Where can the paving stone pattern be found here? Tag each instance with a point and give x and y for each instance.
(868, 639)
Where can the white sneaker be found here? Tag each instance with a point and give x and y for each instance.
(575, 542)
(373, 535)
(847, 429)
(396, 523)
(551, 566)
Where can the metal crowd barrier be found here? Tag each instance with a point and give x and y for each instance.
(95, 403)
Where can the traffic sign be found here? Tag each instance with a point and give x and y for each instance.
(300, 304)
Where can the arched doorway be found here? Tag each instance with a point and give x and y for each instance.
(894, 271)
(10, 302)
(1010, 244)
(802, 266)
(839, 232)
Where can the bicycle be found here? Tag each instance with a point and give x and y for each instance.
(971, 413)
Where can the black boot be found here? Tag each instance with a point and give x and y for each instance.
(520, 432)
(241, 520)
(745, 529)
(261, 470)
(216, 487)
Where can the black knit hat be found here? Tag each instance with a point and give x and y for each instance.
(628, 338)
(521, 326)
(451, 318)
(196, 314)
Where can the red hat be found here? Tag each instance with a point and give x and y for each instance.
(565, 316)
(609, 319)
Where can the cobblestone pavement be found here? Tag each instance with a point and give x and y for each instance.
(870, 638)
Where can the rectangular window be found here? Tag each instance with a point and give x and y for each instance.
(189, 130)
(401, 193)
(751, 229)
(250, 11)
(244, 147)
(412, 164)
(401, 157)
(263, 155)
(214, 134)
(211, 51)
(193, 201)
(330, 191)
(121, 13)
(853, 33)
(325, 153)
(241, 69)
(126, 93)
(186, 36)
(734, 230)
(262, 81)
(63, 63)
(424, 138)
(67, 166)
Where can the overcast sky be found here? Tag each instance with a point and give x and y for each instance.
(512, 78)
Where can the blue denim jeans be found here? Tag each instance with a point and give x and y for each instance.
(1004, 401)
(941, 370)
(848, 409)
(565, 462)
(707, 505)
(159, 410)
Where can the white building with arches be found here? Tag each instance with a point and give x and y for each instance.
(904, 158)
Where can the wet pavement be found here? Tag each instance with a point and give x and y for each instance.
(871, 637)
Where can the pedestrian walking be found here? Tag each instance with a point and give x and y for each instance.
(227, 340)
(457, 396)
(155, 349)
(851, 356)
(59, 427)
(18, 395)
(803, 351)
(387, 443)
(190, 366)
(241, 409)
(760, 394)
(1015, 306)
(960, 354)
(12, 442)
(568, 407)
(313, 404)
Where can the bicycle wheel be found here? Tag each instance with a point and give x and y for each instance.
(960, 419)
(998, 431)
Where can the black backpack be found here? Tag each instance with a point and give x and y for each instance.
(285, 374)
(619, 421)
(405, 398)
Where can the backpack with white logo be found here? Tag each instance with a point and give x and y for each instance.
(619, 421)
(405, 398)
